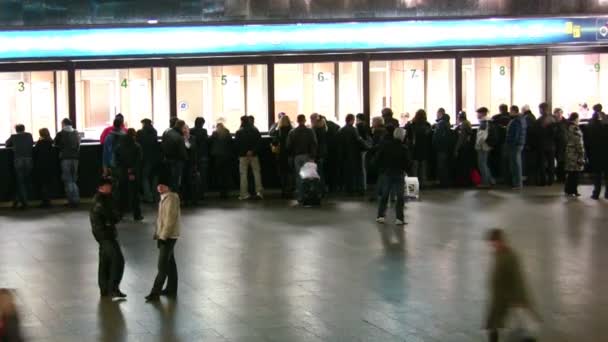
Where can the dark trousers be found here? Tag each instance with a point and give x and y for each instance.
(133, 197)
(349, 174)
(392, 185)
(167, 269)
(222, 168)
(598, 177)
(493, 335)
(203, 169)
(23, 171)
(176, 171)
(149, 180)
(531, 160)
(443, 168)
(44, 189)
(560, 156)
(546, 167)
(111, 266)
(571, 185)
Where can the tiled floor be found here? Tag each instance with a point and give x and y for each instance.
(264, 271)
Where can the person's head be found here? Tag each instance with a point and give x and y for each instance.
(284, 122)
(399, 134)
(66, 123)
(387, 113)
(120, 117)
(245, 121)
(482, 113)
(350, 119)
(44, 134)
(221, 129)
(105, 186)
(179, 126)
(199, 122)
(377, 122)
(440, 113)
(503, 109)
(146, 122)
(558, 113)
(173, 121)
(163, 188)
(360, 118)
(390, 131)
(321, 123)
(132, 133)
(514, 111)
(301, 119)
(186, 131)
(420, 116)
(19, 128)
(526, 109)
(281, 115)
(461, 116)
(597, 108)
(573, 118)
(496, 238)
(313, 118)
(543, 109)
(117, 124)
(251, 120)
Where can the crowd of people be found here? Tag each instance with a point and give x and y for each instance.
(514, 145)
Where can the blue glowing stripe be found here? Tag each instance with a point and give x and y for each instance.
(298, 37)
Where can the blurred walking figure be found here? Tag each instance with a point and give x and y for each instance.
(10, 325)
(22, 144)
(103, 218)
(67, 142)
(507, 287)
(575, 156)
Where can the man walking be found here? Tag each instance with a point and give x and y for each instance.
(302, 146)
(22, 144)
(103, 222)
(67, 142)
(167, 233)
(515, 141)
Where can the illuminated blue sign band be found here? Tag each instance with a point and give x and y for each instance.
(246, 39)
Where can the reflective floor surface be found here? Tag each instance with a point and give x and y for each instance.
(265, 271)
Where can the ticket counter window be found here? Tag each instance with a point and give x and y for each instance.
(398, 85)
(440, 87)
(580, 80)
(27, 98)
(101, 94)
(528, 81)
(350, 90)
(486, 82)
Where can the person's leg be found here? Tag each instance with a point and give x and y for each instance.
(164, 250)
(19, 181)
(568, 184)
(482, 160)
(203, 170)
(75, 192)
(364, 171)
(28, 169)
(415, 167)
(398, 188)
(135, 200)
(493, 335)
(597, 184)
(171, 269)
(605, 184)
(103, 271)
(550, 167)
(298, 162)
(384, 196)
(518, 167)
(257, 174)
(117, 267)
(146, 182)
(243, 169)
(575, 183)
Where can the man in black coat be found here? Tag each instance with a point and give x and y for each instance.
(247, 141)
(547, 136)
(67, 142)
(128, 164)
(175, 154)
(302, 146)
(596, 140)
(22, 144)
(202, 149)
(147, 138)
(332, 162)
(103, 223)
(443, 146)
(350, 146)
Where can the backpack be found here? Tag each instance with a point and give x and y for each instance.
(493, 138)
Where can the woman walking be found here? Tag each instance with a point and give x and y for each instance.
(575, 156)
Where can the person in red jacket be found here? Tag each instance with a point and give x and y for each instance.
(109, 129)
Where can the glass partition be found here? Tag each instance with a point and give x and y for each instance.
(528, 81)
(28, 98)
(486, 82)
(350, 92)
(440, 87)
(580, 81)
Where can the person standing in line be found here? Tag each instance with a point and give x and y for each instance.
(332, 163)
(547, 134)
(147, 138)
(507, 286)
(174, 154)
(418, 136)
(463, 150)
(442, 143)
(515, 141)
(560, 143)
(302, 146)
(279, 145)
(596, 140)
(67, 142)
(575, 156)
(190, 189)
(128, 163)
(44, 166)
(320, 128)
(531, 153)
(499, 157)
(109, 129)
(104, 217)
(222, 158)
(166, 235)
(392, 160)
(365, 133)
(349, 144)
(483, 147)
(247, 141)
(202, 156)
(111, 168)
(22, 144)
(275, 125)
(387, 115)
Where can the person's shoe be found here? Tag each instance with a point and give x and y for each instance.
(118, 294)
(517, 188)
(577, 194)
(152, 297)
(168, 293)
(595, 197)
(400, 223)
(259, 196)
(138, 218)
(15, 205)
(380, 220)
(244, 198)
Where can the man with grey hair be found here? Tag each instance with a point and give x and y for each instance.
(392, 159)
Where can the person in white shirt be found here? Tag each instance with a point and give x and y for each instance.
(167, 233)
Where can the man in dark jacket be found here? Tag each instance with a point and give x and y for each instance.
(349, 144)
(175, 154)
(147, 137)
(302, 146)
(560, 143)
(387, 115)
(442, 143)
(547, 136)
(596, 140)
(128, 166)
(67, 142)
(202, 149)
(332, 162)
(22, 144)
(247, 141)
(103, 223)
(392, 161)
(515, 142)
(499, 157)
(531, 153)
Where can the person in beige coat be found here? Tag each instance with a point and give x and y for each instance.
(167, 233)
